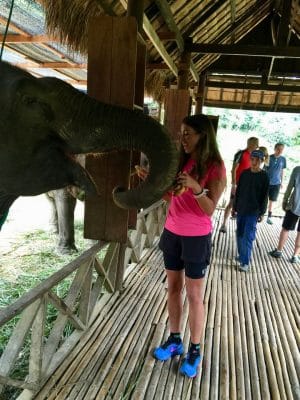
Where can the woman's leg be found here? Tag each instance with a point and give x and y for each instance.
(195, 293)
(175, 287)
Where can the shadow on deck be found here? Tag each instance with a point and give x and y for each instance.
(251, 344)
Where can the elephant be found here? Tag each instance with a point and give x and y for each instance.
(44, 122)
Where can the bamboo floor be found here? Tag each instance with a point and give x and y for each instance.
(251, 344)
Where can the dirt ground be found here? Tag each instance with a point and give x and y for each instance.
(28, 214)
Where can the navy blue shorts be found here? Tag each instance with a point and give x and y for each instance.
(290, 221)
(191, 253)
(274, 192)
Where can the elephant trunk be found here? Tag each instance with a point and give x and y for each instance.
(100, 127)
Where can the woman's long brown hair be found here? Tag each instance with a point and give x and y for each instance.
(207, 151)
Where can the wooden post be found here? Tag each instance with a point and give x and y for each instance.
(200, 95)
(135, 8)
(177, 104)
(111, 78)
(183, 70)
(177, 101)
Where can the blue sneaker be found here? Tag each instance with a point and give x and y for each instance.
(244, 267)
(190, 364)
(168, 349)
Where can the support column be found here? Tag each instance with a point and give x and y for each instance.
(111, 78)
(177, 101)
(200, 95)
(135, 8)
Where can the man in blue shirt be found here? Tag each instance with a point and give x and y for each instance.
(277, 163)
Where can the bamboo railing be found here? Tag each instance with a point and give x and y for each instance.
(92, 282)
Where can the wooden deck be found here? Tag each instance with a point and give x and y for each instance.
(251, 346)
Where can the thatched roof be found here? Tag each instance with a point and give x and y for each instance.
(248, 49)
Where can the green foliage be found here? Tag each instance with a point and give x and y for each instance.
(274, 127)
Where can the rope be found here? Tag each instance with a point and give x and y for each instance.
(6, 29)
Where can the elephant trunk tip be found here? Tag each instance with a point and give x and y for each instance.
(132, 199)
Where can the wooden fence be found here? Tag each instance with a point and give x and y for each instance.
(92, 281)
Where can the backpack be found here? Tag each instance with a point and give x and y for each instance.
(237, 157)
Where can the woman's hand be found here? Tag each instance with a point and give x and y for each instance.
(188, 181)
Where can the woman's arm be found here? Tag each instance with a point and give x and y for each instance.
(208, 203)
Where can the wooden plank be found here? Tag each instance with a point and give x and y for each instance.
(58, 303)
(56, 333)
(27, 39)
(37, 344)
(112, 39)
(244, 50)
(16, 340)
(85, 308)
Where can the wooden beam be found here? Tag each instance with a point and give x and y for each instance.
(152, 35)
(233, 15)
(245, 50)
(250, 106)
(284, 33)
(166, 12)
(135, 8)
(167, 35)
(12, 26)
(51, 65)
(27, 39)
(253, 86)
(157, 66)
(46, 46)
(150, 32)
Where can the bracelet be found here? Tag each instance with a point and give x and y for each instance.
(200, 194)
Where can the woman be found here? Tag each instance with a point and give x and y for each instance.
(186, 239)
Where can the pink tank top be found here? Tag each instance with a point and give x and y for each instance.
(185, 217)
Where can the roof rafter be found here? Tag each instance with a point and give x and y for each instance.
(244, 50)
(165, 10)
(284, 32)
(152, 35)
(233, 15)
(21, 38)
(254, 86)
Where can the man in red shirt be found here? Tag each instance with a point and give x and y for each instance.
(241, 161)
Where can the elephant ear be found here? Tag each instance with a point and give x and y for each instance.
(31, 101)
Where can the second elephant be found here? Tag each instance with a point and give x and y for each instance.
(62, 203)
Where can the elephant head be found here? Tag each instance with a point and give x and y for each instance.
(45, 121)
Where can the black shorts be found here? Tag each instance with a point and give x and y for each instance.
(290, 221)
(191, 253)
(274, 192)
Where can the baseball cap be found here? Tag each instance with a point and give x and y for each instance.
(258, 154)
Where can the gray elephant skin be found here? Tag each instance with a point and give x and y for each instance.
(45, 121)
(62, 206)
